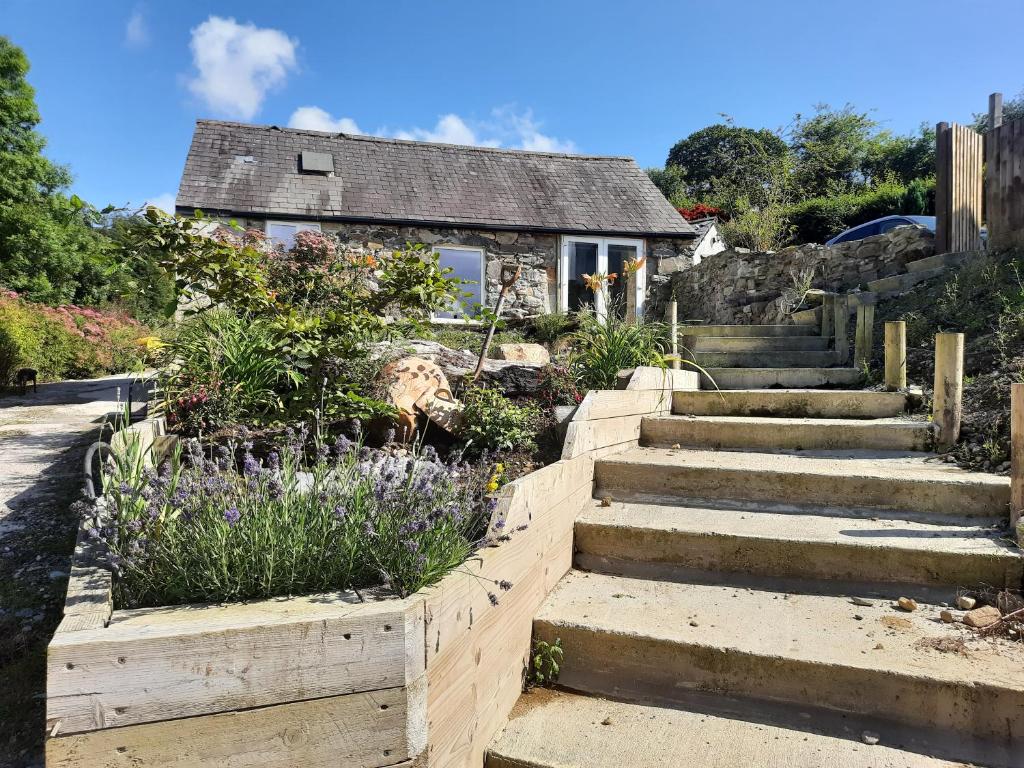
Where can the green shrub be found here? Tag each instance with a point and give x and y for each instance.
(66, 342)
(601, 349)
(549, 328)
(822, 218)
(492, 422)
(221, 369)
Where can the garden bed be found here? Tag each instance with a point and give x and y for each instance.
(354, 678)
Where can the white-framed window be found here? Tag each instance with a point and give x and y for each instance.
(468, 264)
(283, 232)
(587, 255)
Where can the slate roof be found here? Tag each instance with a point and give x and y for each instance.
(254, 170)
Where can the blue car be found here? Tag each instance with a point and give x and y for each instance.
(882, 225)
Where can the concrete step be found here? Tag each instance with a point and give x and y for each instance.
(744, 330)
(953, 259)
(558, 729)
(755, 343)
(885, 480)
(781, 359)
(785, 434)
(633, 638)
(783, 378)
(767, 541)
(888, 286)
(808, 403)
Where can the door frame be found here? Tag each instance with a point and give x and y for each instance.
(602, 244)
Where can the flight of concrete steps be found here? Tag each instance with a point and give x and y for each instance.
(732, 598)
(797, 354)
(762, 356)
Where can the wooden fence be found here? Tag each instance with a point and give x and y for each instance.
(958, 188)
(1004, 178)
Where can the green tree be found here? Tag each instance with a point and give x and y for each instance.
(724, 162)
(50, 247)
(672, 183)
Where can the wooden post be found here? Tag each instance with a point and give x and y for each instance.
(943, 164)
(841, 316)
(1016, 459)
(947, 403)
(630, 281)
(828, 308)
(895, 355)
(673, 324)
(863, 335)
(995, 110)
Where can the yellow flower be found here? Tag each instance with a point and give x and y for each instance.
(151, 343)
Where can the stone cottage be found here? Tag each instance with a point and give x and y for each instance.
(559, 216)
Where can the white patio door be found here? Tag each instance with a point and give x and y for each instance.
(603, 255)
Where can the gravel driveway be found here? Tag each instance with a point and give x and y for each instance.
(43, 438)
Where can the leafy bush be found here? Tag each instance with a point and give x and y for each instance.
(601, 349)
(821, 218)
(490, 421)
(549, 328)
(454, 337)
(221, 369)
(66, 342)
(198, 531)
(558, 387)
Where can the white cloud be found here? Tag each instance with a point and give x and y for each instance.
(316, 119)
(505, 128)
(450, 129)
(136, 31)
(237, 64)
(164, 202)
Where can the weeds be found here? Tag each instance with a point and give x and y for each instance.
(545, 663)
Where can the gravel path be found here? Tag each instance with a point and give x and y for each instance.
(43, 438)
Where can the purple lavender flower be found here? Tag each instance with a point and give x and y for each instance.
(493, 598)
(340, 513)
(274, 460)
(232, 516)
(250, 467)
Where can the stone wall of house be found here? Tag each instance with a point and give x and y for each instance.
(536, 291)
(665, 256)
(748, 288)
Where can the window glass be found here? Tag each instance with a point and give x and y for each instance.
(283, 233)
(467, 265)
(582, 261)
(859, 233)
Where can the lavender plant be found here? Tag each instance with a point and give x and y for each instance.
(197, 530)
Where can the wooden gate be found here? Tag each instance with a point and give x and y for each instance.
(958, 188)
(1004, 178)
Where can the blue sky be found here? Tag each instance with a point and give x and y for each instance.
(120, 84)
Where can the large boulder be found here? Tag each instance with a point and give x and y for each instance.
(523, 353)
(512, 377)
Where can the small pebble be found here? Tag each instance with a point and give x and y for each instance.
(861, 601)
(947, 616)
(694, 624)
(869, 737)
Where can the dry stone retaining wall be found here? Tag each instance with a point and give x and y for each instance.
(749, 288)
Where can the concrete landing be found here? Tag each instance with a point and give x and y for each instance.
(630, 638)
(887, 480)
(757, 433)
(554, 729)
(775, 541)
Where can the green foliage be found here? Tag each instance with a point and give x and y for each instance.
(492, 422)
(601, 349)
(726, 160)
(51, 246)
(760, 229)
(671, 180)
(456, 337)
(66, 342)
(221, 369)
(545, 663)
(821, 218)
(548, 328)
